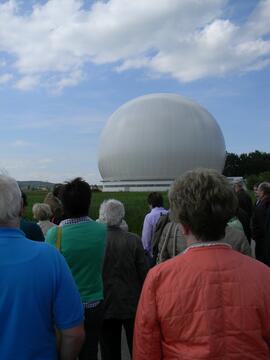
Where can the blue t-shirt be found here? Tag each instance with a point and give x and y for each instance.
(37, 293)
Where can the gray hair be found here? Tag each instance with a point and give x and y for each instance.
(10, 200)
(203, 200)
(111, 212)
(42, 211)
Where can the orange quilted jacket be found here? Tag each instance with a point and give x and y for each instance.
(210, 303)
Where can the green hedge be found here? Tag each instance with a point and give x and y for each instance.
(256, 179)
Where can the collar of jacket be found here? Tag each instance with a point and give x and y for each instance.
(207, 244)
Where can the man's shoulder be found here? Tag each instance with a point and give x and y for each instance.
(27, 224)
(156, 213)
(183, 268)
(232, 233)
(31, 229)
(85, 229)
(31, 249)
(95, 226)
(133, 237)
(169, 266)
(45, 249)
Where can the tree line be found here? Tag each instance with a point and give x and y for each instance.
(253, 166)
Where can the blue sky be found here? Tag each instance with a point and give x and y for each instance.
(67, 65)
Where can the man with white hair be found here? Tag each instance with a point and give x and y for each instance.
(38, 293)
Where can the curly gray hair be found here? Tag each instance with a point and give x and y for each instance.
(111, 212)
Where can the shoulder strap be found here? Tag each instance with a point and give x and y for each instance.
(174, 241)
(164, 246)
(58, 238)
(160, 225)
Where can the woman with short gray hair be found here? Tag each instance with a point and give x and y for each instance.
(112, 212)
(125, 267)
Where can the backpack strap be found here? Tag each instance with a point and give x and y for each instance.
(160, 225)
(164, 245)
(174, 241)
(58, 238)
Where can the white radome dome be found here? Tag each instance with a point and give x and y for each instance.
(159, 137)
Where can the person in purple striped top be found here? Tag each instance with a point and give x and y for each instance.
(155, 202)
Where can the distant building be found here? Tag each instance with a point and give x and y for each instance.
(151, 140)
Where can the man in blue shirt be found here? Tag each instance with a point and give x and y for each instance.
(37, 294)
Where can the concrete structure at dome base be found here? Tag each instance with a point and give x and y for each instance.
(136, 186)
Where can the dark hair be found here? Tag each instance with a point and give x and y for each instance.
(24, 199)
(76, 197)
(155, 199)
(57, 189)
(203, 200)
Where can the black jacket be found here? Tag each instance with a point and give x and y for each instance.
(259, 230)
(124, 271)
(245, 202)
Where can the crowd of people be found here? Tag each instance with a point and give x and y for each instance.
(188, 288)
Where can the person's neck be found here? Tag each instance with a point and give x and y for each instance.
(15, 224)
(191, 239)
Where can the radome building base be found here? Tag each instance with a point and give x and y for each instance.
(136, 186)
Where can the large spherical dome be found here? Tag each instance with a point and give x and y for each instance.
(159, 137)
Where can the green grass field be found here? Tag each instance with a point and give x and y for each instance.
(135, 204)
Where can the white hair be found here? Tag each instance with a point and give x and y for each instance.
(10, 200)
(42, 211)
(111, 212)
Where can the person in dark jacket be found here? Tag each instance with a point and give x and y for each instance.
(244, 200)
(245, 221)
(124, 271)
(259, 224)
(31, 229)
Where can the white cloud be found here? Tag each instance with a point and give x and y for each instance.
(185, 39)
(20, 143)
(45, 161)
(5, 78)
(27, 83)
(72, 79)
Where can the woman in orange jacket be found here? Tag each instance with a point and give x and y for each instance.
(210, 302)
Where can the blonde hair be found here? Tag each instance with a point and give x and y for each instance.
(42, 211)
